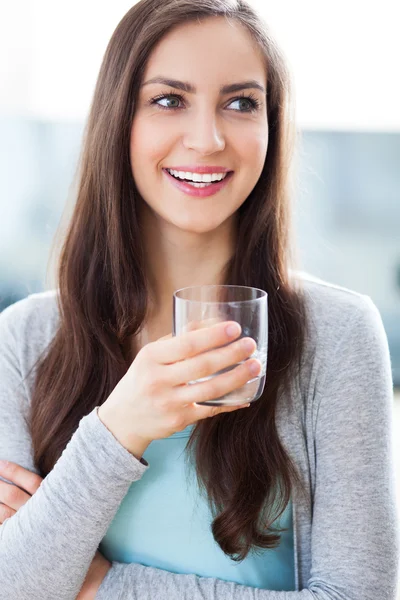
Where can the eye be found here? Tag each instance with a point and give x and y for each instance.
(247, 103)
(169, 100)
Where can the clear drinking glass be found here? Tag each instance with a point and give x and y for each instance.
(202, 306)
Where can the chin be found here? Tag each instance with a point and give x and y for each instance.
(199, 225)
(197, 230)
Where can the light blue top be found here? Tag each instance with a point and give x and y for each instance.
(164, 521)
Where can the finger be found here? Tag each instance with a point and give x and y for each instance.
(218, 386)
(12, 496)
(194, 325)
(6, 512)
(23, 478)
(208, 363)
(191, 343)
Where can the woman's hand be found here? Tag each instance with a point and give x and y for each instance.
(152, 400)
(12, 497)
(94, 577)
(11, 500)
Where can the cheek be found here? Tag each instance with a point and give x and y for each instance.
(252, 138)
(260, 151)
(149, 144)
(252, 147)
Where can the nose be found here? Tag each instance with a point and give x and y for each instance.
(204, 133)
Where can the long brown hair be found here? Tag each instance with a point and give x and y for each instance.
(103, 289)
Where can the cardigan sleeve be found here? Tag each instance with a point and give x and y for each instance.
(46, 548)
(355, 529)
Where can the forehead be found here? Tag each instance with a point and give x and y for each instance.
(214, 49)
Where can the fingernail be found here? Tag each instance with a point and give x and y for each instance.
(248, 344)
(255, 368)
(245, 406)
(233, 329)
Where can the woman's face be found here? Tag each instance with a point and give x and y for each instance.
(200, 126)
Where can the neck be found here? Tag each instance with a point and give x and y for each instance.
(178, 259)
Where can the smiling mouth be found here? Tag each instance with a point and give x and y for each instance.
(201, 180)
(202, 189)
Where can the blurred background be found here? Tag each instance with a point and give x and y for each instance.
(343, 57)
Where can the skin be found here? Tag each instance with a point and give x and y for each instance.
(188, 240)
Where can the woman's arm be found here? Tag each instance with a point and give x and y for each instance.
(94, 577)
(47, 547)
(137, 582)
(355, 531)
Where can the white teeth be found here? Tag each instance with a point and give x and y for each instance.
(197, 177)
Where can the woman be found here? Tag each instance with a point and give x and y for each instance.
(295, 494)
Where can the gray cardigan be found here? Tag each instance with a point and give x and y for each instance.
(336, 426)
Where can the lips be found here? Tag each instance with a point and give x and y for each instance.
(202, 169)
(202, 192)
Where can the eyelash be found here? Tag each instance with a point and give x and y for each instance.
(255, 103)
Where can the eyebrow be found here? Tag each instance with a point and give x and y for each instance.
(190, 89)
